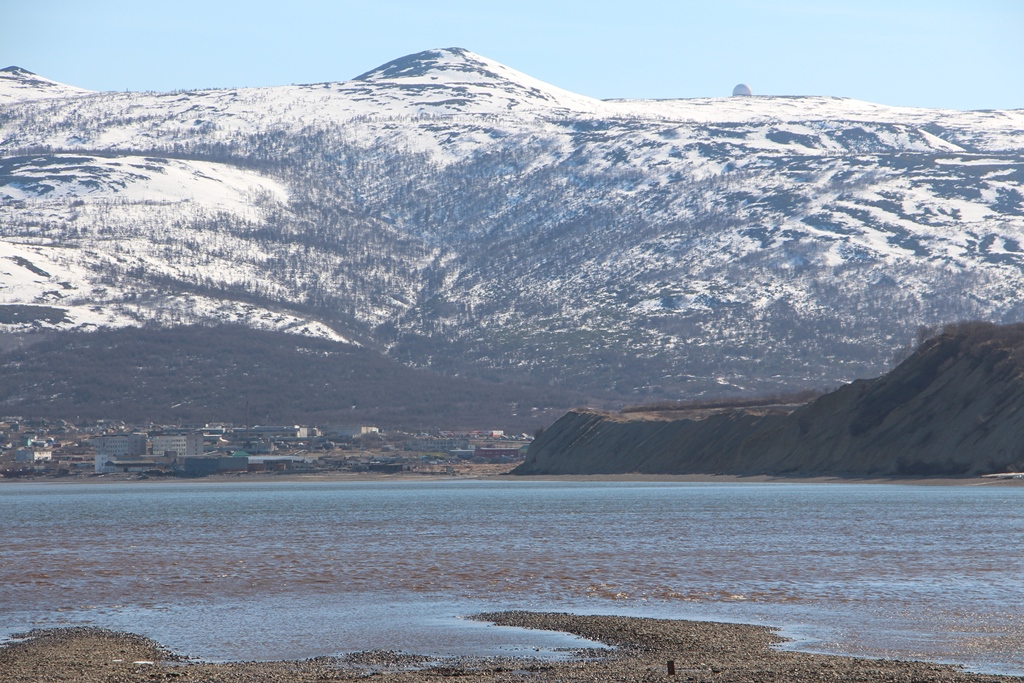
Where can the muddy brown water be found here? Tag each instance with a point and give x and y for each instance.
(244, 571)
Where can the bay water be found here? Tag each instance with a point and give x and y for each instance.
(288, 570)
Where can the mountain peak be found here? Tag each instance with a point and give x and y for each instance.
(16, 70)
(430, 62)
(18, 85)
(473, 74)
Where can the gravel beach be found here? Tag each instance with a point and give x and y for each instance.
(700, 651)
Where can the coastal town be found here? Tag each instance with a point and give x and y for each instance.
(31, 448)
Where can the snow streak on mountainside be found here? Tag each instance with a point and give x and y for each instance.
(464, 216)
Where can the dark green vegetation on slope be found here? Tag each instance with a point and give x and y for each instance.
(955, 407)
(201, 374)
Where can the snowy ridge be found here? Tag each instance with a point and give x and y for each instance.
(138, 120)
(451, 83)
(19, 85)
(464, 215)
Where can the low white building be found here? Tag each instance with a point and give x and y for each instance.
(178, 445)
(117, 447)
(32, 455)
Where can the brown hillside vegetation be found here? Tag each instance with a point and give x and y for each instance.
(955, 407)
(197, 374)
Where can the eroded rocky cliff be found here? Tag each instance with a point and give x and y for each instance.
(955, 407)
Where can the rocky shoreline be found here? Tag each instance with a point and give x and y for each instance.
(642, 649)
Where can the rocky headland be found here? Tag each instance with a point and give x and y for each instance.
(955, 407)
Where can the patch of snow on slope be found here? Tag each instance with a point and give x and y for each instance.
(216, 187)
(41, 275)
(50, 277)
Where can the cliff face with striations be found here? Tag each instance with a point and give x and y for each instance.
(591, 442)
(955, 407)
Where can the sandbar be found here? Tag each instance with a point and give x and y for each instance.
(641, 651)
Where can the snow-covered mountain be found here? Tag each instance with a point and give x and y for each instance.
(461, 215)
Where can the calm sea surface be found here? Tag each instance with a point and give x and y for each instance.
(245, 571)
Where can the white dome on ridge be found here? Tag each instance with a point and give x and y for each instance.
(742, 89)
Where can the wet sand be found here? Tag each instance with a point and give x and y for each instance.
(700, 651)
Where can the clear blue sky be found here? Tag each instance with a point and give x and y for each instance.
(966, 54)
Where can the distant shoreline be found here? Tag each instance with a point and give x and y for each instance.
(505, 477)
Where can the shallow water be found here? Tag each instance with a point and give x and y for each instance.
(291, 570)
